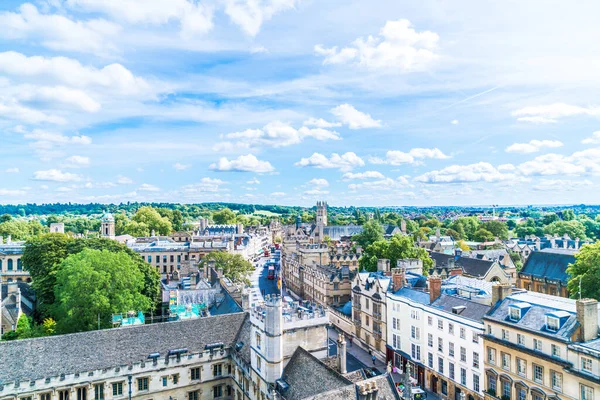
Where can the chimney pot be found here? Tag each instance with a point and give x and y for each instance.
(587, 316)
(435, 288)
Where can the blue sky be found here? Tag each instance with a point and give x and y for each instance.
(291, 101)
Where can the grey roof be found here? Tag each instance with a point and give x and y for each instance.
(473, 310)
(414, 295)
(336, 232)
(308, 377)
(79, 352)
(534, 318)
(244, 337)
(474, 266)
(549, 263)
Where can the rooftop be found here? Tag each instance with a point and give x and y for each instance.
(549, 263)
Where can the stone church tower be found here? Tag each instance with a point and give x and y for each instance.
(107, 226)
(321, 213)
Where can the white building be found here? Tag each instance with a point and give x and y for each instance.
(437, 333)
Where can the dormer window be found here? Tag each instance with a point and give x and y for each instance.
(552, 323)
(515, 313)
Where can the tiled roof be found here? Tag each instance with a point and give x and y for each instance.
(337, 232)
(79, 352)
(306, 377)
(473, 310)
(549, 263)
(414, 295)
(474, 266)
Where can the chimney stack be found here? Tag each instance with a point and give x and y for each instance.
(587, 316)
(341, 344)
(500, 291)
(435, 288)
(383, 265)
(456, 271)
(398, 278)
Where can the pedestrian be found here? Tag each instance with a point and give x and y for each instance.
(373, 357)
(350, 341)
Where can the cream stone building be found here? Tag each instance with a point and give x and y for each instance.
(11, 266)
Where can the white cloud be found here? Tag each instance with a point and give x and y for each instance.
(12, 192)
(68, 71)
(395, 157)
(320, 182)
(594, 139)
(206, 185)
(123, 180)
(274, 134)
(454, 122)
(321, 123)
(12, 110)
(52, 95)
(181, 167)
(277, 194)
(55, 175)
(12, 170)
(58, 32)
(253, 181)
(555, 185)
(479, 172)
(551, 113)
(586, 162)
(49, 144)
(399, 47)
(533, 146)
(77, 162)
(251, 14)
(506, 167)
(355, 119)
(344, 162)
(363, 175)
(316, 192)
(244, 163)
(146, 187)
(381, 185)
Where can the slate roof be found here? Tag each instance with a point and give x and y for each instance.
(473, 311)
(308, 377)
(414, 295)
(244, 337)
(336, 232)
(79, 352)
(474, 266)
(549, 263)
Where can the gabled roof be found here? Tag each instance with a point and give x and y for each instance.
(474, 266)
(549, 263)
(306, 376)
(87, 351)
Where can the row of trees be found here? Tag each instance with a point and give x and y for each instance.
(80, 283)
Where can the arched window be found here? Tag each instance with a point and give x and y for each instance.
(10, 264)
(19, 265)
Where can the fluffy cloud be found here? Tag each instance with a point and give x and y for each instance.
(146, 187)
(12, 192)
(274, 134)
(316, 192)
(479, 172)
(251, 14)
(253, 181)
(594, 139)
(244, 163)
(12, 110)
(554, 185)
(12, 170)
(49, 144)
(395, 157)
(355, 119)
(320, 182)
(533, 146)
(586, 162)
(77, 162)
(181, 167)
(363, 175)
(123, 180)
(277, 194)
(551, 113)
(321, 123)
(344, 162)
(381, 185)
(398, 47)
(55, 175)
(58, 32)
(67, 71)
(205, 186)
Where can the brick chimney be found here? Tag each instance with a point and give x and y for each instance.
(435, 288)
(398, 278)
(587, 316)
(500, 291)
(456, 271)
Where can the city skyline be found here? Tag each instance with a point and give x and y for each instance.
(291, 101)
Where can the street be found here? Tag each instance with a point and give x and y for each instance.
(260, 284)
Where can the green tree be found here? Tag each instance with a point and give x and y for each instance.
(573, 228)
(585, 271)
(497, 228)
(224, 217)
(483, 235)
(568, 215)
(5, 218)
(466, 226)
(550, 218)
(41, 256)
(24, 329)
(372, 232)
(136, 229)
(153, 220)
(49, 326)
(94, 284)
(235, 267)
(453, 234)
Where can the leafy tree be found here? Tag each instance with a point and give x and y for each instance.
(224, 217)
(568, 215)
(235, 267)
(372, 232)
(24, 329)
(466, 226)
(94, 284)
(463, 246)
(399, 247)
(432, 223)
(5, 218)
(511, 224)
(41, 256)
(153, 220)
(483, 235)
(550, 218)
(453, 234)
(49, 327)
(136, 229)
(497, 228)
(573, 228)
(174, 216)
(516, 259)
(585, 269)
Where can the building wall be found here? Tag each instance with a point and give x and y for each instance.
(16, 273)
(540, 286)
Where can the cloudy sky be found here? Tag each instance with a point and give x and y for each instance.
(290, 101)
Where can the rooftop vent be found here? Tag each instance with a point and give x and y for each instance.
(458, 309)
